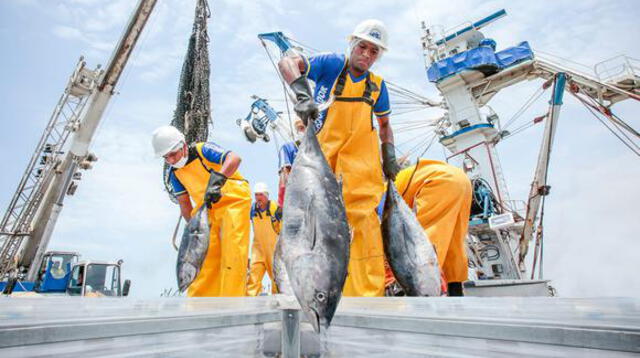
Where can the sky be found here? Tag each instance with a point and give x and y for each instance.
(121, 211)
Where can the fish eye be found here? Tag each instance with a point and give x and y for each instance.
(320, 296)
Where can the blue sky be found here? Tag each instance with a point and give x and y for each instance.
(121, 211)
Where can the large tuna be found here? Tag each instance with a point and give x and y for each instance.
(315, 235)
(280, 272)
(411, 255)
(193, 248)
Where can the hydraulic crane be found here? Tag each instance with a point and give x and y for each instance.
(53, 171)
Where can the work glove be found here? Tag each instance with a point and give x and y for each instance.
(305, 106)
(213, 194)
(390, 165)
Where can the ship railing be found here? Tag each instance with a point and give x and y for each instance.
(617, 68)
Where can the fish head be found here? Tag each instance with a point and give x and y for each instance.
(317, 290)
(185, 276)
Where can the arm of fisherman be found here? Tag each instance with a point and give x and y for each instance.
(185, 206)
(382, 109)
(292, 67)
(229, 163)
(181, 195)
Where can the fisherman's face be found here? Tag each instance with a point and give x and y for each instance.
(261, 199)
(363, 55)
(172, 157)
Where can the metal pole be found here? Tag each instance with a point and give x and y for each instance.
(539, 184)
(290, 333)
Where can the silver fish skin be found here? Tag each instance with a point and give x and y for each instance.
(280, 271)
(411, 255)
(193, 248)
(315, 235)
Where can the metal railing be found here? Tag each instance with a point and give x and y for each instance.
(616, 68)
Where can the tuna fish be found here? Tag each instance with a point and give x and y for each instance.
(193, 248)
(411, 255)
(280, 272)
(315, 235)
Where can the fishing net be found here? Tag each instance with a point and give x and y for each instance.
(192, 115)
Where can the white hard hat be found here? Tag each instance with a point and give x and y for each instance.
(373, 31)
(165, 139)
(261, 187)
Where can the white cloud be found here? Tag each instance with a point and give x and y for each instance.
(68, 33)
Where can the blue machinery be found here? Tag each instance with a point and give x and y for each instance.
(255, 124)
(261, 115)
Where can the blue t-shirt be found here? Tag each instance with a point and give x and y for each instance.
(324, 69)
(287, 154)
(210, 151)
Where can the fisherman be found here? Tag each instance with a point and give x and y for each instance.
(286, 155)
(266, 227)
(350, 141)
(208, 175)
(441, 196)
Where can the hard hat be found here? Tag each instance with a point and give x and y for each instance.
(261, 187)
(165, 139)
(373, 31)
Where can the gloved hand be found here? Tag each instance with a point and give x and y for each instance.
(306, 107)
(390, 165)
(213, 194)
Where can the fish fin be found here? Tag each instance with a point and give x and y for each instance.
(310, 221)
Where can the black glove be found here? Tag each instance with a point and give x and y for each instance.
(306, 107)
(213, 194)
(390, 165)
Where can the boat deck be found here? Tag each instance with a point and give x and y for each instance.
(372, 327)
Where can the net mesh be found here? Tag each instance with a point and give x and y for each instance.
(192, 115)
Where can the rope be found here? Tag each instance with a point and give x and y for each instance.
(534, 97)
(588, 106)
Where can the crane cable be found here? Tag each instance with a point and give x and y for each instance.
(590, 108)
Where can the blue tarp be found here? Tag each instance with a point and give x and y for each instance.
(21, 286)
(481, 58)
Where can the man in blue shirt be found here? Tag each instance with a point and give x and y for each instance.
(286, 156)
(207, 175)
(350, 141)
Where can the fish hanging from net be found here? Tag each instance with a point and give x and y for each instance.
(192, 115)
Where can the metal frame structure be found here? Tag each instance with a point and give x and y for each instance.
(467, 91)
(17, 222)
(34, 209)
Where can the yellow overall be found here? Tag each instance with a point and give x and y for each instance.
(441, 196)
(265, 234)
(223, 272)
(350, 143)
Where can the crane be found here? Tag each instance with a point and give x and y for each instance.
(54, 168)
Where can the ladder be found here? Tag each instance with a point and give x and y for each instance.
(17, 221)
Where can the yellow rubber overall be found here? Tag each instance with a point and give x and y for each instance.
(265, 235)
(224, 271)
(441, 196)
(350, 143)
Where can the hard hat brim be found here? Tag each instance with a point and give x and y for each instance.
(371, 40)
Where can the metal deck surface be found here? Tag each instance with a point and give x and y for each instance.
(372, 327)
